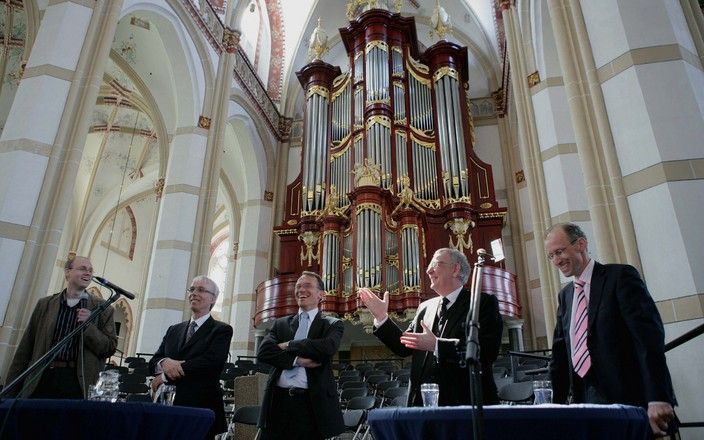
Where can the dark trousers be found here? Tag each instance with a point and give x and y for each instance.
(291, 418)
(58, 383)
(586, 389)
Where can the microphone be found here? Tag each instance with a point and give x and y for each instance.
(84, 299)
(482, 253)
(103, 282)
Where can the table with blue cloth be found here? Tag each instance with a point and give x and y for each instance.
(83, 419)
(542, 422)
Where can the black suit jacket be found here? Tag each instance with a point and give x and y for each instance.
(205, 355)
(625, 340)
(446, 371)
(321, 345)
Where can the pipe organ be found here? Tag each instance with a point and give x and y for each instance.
(388, 170)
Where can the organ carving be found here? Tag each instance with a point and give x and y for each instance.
(388, 170)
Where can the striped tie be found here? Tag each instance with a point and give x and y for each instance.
(580, 353)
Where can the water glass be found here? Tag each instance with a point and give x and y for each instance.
(542, 389)
(168, 393)
(107, 388)
(94, 392)
(430, 393)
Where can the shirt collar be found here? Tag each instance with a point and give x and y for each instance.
(311, 313)
(586, 274)
(452, 297)
(200, 321)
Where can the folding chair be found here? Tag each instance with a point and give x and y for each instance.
(133, 378)
(247, 415)
(392, 393)
(381, 389)
(356, 404)
(403, 377)
(399, 401)
(350, 373)
(133, 388)
(138, 398)
(350, 393)
(352, 384)
(517, 392)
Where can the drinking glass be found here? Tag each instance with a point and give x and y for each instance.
(542, 389)
(430, 393)
(168, 393)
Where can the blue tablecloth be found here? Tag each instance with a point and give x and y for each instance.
(544, 422)
(82, 419)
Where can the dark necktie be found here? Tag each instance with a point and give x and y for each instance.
(442, 318)
(191, 330)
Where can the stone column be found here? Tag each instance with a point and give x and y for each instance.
(533, 167)
(41, 148)
(253, 261)
(610, 216)
(170, 263)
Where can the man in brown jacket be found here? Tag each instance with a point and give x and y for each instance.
(77, 365)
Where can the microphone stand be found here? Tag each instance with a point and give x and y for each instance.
(472, 351)
(40, 364)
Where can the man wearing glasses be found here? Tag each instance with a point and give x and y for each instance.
(77, 365)
(193, 354)
(608, 345)
(437, 333)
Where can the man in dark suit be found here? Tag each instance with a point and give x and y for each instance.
(193, 353)
(608, 345)
(301, 399)
(436, 333)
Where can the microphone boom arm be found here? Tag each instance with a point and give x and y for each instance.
(49, 356)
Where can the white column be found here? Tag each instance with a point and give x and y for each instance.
(170, 263)
(650, 71)
(252, 268)
(40, 151)
(536, 210)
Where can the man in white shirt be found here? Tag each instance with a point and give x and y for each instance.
(437, 333)
(301, 399)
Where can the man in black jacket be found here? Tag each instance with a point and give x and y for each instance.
(609, 340)
(193, 353)
(301, 399)
(438, 330)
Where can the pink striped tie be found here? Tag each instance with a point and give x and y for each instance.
(580, 355)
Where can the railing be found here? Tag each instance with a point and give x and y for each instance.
(208, 21)
(514, 355)
(676, 343)
(247, 77)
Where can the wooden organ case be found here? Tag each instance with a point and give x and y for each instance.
(388, 172)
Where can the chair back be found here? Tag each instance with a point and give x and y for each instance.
(399, 401)
(517, 392)
(350, 393)
(366, 402)
(352, 384)
(248, 415)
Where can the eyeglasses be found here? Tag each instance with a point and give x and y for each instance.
(558, 252)
(198, 289)
(83, 269)
(435, 263)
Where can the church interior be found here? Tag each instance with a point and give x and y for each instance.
(250, 140)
